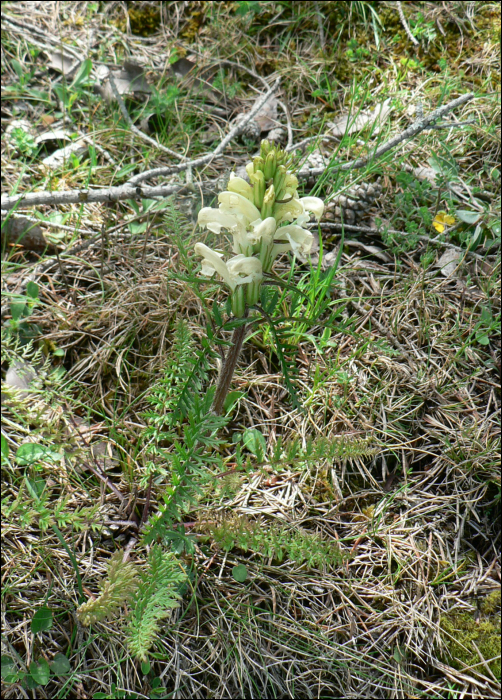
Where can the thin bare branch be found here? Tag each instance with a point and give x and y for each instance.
(406, 25)
(218, 151)
(134, 128)
(409, 133)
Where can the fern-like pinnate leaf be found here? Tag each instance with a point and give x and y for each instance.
(116, 588)
(159, 592)
(189, 465)
(183, 377)
(337, 449)
(277, 541)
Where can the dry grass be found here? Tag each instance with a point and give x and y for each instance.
(414, 513)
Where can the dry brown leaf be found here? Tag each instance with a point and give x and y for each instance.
(182, 67)
(63, 63)
(59, 157)
(370, 249)
(266, 119)
(55, 135)
(449, 261)
(129, 80)
(347, 124)
(267, 116)
(20, 375)
(18, 230)
(422, 172)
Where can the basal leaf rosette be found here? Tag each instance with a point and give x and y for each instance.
(265, 217)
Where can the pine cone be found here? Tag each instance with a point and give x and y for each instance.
(277, 135)
(314, 160)
(252, 130)
(354, 204)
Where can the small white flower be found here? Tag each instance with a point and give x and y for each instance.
(234, 215)
(216, 219)
(240, 186)
(236, 204)
(263, 230)
(295, 209)
(288, 211)
(232, 271)
(299, 240)
(313, 204)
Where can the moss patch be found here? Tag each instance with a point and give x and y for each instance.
(491, 604)
(461, 630)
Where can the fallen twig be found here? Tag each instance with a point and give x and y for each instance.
(405, 24)
(421, 237)
(127, 191)
(110, 194)
(218, 151)
(134, 128)
(416, 128)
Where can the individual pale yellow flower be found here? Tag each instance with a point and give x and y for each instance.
(299, 240)
(296, 208)
(236, 273)
(238, 270)
(240, 186)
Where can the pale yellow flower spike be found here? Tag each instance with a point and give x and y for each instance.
(254, 213)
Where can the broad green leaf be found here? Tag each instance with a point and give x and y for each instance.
(477, 237)
(495, 226)
(255, 442)
(83, 73)
(147, 204)
(32, 290)
(31, 452)
(60, 665)
(17, 309)
(468, 217)
(137, 227)
(10, 672)
(41, 620)
(231, 399)
(145, 667)
(5, 447)
(483, 339)
(40, 671)
(240, 573)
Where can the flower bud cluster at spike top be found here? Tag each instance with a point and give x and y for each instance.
(265, 219)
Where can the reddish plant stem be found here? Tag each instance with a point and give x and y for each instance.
(228, 369)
